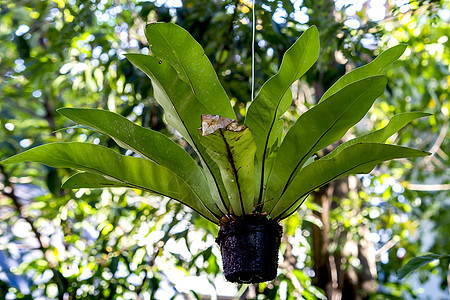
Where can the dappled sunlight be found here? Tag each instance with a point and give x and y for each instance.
(354, 234)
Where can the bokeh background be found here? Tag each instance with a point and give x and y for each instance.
(349, 239)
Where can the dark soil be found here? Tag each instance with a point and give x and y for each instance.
(249, 247)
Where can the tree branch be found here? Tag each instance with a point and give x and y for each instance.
(428, 187)
(289, 265)
(227, 36)
(43, 247)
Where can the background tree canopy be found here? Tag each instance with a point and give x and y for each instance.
(348, 241)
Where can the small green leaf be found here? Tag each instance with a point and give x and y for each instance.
(319, 127)
(114, 264)
(275, 97)
(232, 147)
(130, 171)
(356, 159)
(418, 262)
(378, 66)
(174, 44)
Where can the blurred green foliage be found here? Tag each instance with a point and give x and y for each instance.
(117, 244)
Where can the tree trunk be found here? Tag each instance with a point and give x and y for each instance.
(331, 273)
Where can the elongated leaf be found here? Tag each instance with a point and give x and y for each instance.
(275, 96)
(294, 208)
(395, 124)
(91, 181)
(183, 112)
(300, 201)
(418, 262)
(378, 66)
(175, 45)
(182, 108)
(319, 127)
(233, 149)
(146, 142)
(132, 171)
(356, 159)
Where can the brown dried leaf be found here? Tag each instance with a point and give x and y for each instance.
(211, 123)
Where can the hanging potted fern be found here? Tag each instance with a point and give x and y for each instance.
(250, 176)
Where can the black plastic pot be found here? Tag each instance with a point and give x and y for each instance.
(249, 247)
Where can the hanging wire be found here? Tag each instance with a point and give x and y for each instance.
(253, 49)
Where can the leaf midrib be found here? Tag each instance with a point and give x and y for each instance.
(179, 61)
(193, 141)
(233, 167)
(329, 180)
(139, 152)
(96, 128)
(261, 189)
(315, 144)
(82, 167)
